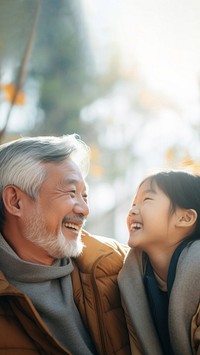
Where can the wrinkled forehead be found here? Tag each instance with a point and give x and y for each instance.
(63, 173)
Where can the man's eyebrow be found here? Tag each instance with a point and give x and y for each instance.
(63, 183)
(69, 181)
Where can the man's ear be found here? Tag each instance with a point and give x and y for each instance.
(187, 218)
(12, 196)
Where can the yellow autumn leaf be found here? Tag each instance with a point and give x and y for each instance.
(9, 90)
(96, 170)
(169, 156)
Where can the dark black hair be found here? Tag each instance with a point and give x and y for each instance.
(182, 188)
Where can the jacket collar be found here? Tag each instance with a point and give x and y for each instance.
(6, 288)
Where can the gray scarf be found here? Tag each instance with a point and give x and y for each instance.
(50, 290)
(183, 302)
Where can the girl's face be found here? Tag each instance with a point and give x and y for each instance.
(150, 220)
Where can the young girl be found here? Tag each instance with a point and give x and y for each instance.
(160, 280)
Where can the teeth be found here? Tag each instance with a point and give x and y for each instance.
(136, 226)
(72, 225)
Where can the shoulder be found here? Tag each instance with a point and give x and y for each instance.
(133, 267)
(189, 261)
(99, 250)
(188, 270)
(106, 243)
(190, 255)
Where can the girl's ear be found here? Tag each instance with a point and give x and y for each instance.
(12, 197)
(187, 218)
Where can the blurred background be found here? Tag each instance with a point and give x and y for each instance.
(123, 74)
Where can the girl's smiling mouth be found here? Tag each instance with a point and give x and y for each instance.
(135, 226)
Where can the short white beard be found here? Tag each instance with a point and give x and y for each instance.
(57, 246)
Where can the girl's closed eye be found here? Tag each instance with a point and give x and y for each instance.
(147, 198)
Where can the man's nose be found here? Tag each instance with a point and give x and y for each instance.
(81, 207)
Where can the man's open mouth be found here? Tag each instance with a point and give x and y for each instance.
(72, 226)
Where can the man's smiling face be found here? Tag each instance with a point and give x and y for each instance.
(55, 219)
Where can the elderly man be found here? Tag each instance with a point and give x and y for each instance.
(58, 287)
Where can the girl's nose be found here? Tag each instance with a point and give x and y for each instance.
(133, 210)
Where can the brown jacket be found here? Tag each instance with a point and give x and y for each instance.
(22, 331)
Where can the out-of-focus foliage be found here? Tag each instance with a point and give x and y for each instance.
(62, 66)
(15, 23)
(61, 63)
(12, 83)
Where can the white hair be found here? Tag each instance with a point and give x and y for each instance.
(22, 162)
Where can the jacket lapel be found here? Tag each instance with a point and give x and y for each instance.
(134, 298)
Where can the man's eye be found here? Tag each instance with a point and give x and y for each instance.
(147, 198)
(85, 197)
